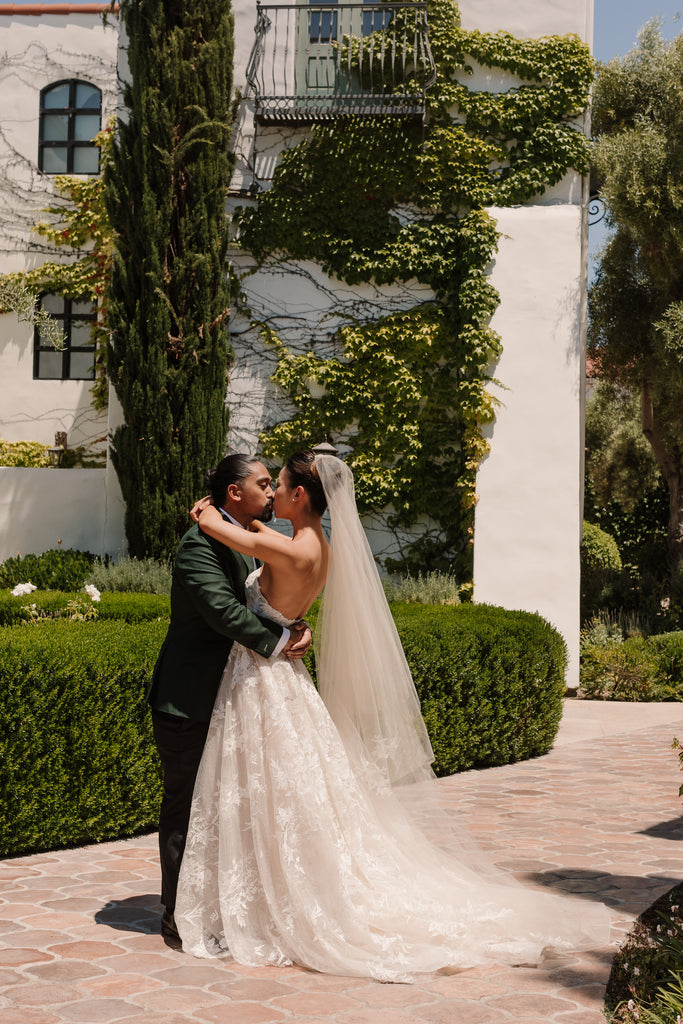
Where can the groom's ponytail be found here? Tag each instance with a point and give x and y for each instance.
(233, 469)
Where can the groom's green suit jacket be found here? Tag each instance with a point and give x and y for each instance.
(208, 614)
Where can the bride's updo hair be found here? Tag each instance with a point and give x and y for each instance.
(302, 473)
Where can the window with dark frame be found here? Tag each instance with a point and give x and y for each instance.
(76, 361)
(70, 117)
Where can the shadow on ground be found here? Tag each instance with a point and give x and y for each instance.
(135, 914)
(631, 893)
(665, 829)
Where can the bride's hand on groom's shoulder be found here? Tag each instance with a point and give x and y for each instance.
(199, 507)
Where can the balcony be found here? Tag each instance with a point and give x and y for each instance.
(318, 62)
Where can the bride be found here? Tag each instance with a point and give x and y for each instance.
(303, 847)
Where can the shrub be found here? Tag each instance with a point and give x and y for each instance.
(77, 759)
(635, 668)
(620, 670)
(645, 979)
(53, 570)
(43, 605)
(667, 651)
(430, 588)
(490, 682)
(27, 454)
(144, 575)
(600, 567)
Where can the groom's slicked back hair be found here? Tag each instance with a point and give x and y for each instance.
(233, 469)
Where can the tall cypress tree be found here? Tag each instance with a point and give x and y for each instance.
(166, 198)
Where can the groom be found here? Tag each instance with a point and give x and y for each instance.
(208, 614)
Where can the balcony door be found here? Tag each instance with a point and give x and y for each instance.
(322, 70)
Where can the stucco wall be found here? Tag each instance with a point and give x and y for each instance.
(36, 51)
(82, 508)
(528, 519)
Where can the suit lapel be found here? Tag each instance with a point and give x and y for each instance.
(246, 561)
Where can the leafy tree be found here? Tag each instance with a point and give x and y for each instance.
(636, 302)
(625, 493)
(165, 193)
(620, 465)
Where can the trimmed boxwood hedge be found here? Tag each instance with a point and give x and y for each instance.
(490, 682)
(130, 607)
(77, 758)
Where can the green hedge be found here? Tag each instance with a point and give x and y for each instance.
(128, 607)
(77, 760)
(57, 569)
(490, 682)
(600, 566)
(634, 669)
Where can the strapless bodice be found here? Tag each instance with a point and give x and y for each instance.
(258, 604)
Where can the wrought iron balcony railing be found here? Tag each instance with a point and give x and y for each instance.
(315, 62)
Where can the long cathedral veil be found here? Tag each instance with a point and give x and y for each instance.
(363, 676)
(365, 682)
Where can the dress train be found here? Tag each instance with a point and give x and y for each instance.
(299, 852)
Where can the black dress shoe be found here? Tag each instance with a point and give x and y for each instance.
(168, 926)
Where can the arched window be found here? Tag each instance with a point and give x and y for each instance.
(76, 360)
(70, 117)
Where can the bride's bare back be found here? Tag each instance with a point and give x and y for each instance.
(293, 589)
(294, 568)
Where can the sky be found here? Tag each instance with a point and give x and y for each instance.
(615, 32)
(617, 22)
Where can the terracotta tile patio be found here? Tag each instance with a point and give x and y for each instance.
(599, 817)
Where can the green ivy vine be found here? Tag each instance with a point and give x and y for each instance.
(408, 391)
(81, 225)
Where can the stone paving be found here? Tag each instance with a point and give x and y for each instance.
(600, 818)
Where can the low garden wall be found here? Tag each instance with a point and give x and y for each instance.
(67, 508)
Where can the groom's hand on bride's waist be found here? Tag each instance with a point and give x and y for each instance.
(299, 640)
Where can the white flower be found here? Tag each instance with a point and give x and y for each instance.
(23, 588)
(92, 591)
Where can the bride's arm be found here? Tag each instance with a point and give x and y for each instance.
(265, 544)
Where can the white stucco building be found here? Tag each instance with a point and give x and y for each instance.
(58, 85)
(528, 519)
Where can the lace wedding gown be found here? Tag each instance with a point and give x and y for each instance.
(298, 851)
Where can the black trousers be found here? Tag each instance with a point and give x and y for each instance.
(180, 742)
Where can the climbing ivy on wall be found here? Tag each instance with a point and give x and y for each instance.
(78, 223)
(383, 201)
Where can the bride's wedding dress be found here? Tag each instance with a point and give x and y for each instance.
(300, 852)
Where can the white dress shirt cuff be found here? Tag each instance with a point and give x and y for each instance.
(286, 633)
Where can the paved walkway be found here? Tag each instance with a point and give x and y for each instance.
(599, 816)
